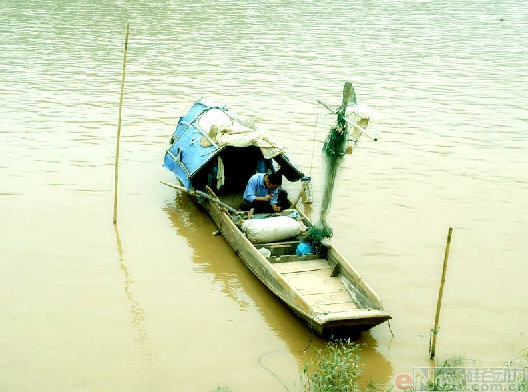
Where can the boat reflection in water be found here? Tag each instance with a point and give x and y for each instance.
(213, 256)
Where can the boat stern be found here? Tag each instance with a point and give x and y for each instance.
(338, 324)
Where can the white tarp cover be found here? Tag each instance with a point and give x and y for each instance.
(224, 129)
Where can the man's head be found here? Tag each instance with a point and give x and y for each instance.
(273, 180)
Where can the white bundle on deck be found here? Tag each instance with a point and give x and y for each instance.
(272, 229)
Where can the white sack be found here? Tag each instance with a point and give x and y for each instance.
(272, 229)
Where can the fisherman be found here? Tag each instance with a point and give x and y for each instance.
(262, 193)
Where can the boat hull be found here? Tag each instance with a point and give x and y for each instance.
(326, 324)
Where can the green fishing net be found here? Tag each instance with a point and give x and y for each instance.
(333, 152)
(318, 233)
(336, 142)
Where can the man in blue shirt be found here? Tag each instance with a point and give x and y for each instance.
(262, 192)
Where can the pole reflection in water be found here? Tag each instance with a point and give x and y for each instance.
(213, 255)
(137, 313)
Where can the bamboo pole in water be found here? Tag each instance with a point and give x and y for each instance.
(116, 166)
(196, 192)
(432, 348)
(333, 157)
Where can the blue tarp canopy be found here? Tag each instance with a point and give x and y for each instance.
(188, 154)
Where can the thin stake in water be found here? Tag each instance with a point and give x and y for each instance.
(434, 331)
(116, 166)
(334, 152)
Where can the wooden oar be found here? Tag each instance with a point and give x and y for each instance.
(195, 192)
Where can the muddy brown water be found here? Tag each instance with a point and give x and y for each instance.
(161, 304)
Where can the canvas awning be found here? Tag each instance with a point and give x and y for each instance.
(206, 130)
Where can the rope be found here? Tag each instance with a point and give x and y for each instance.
(315, 134)
(259, 360)
(390, 329)
(310, 342)
(271, 371)
(308, 345)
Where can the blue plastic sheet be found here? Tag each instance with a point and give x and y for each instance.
(186, 156)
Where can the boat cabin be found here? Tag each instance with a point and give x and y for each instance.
(214, 147)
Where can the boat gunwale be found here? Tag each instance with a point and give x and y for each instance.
(298, 303)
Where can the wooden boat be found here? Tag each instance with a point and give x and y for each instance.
(323, 289)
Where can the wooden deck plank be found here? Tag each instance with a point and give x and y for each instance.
(292, 258)
(317, 291)
(280, 243)
(314, 282)
(335, 307)
(301, 266)
(341, 297)
(314, 278)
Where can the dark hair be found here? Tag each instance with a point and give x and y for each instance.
(275, 178)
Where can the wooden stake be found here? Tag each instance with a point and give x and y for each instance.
(347, 88)
(303, 189)
(432, 348)
(196, 192)
(116, 166)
